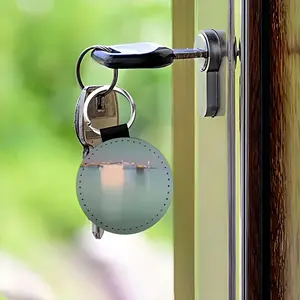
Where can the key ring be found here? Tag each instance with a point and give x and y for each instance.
(100, 91)
(78, 65)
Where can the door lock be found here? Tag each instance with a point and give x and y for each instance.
(210, 88)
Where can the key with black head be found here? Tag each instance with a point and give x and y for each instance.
(143, 56)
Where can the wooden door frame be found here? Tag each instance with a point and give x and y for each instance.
(269, 122)
(256, 140)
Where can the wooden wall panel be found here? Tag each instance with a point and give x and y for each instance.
(273, 250)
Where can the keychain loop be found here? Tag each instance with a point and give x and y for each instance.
(101, 91)
(78, 65)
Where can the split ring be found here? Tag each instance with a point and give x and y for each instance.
(101, 91)
(78, 65)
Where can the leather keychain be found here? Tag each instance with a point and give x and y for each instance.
(124, 184)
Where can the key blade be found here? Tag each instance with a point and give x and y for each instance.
(97, 231)
(190, 53)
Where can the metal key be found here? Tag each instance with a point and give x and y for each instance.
(103, 112)
(143, 56)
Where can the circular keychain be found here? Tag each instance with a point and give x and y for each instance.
(124, 184)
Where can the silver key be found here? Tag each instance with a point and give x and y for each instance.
(103, 112)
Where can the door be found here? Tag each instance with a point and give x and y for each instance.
(204, 161)
(249, 187)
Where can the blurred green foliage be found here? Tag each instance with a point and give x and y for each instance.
(40, 42)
